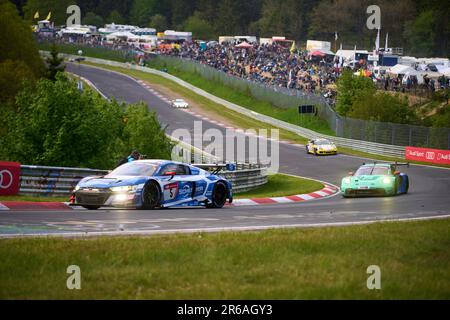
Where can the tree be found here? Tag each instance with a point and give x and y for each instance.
(115, 17)
(54, 63)
(141, 11)
(349, 88)
(420, 34)
(159, 22)
(57, 124)
(200, 28)
(143, 132)
(383, 107)
(16, 40)
(92, 19)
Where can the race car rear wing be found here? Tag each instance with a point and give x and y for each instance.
(215, 167)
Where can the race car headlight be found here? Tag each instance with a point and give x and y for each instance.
(123, 188)
(346, 180)
(387, 180)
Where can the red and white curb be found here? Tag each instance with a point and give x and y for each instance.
(327, 191)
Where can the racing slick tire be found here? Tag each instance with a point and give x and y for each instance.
(91, 207)
(219, 195)
(315, 151)
(307, 150)
(151, 196)
(407, 184)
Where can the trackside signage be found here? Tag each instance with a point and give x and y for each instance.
(9, 178)
(427, 155)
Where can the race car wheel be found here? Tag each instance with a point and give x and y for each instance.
(219, 195)
(315, 152)
(307, 149)
(91, 207)
(151, 198)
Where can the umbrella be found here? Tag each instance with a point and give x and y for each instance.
(244, 45)
(318, 53)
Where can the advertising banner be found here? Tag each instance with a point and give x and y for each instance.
(9, 178)
(427, 155)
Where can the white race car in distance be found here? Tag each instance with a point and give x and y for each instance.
(179, 103)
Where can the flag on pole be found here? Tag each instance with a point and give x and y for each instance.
(292, 47)
(377, 41)
(335, 35)
(49, 16)
(386, 43)
(36, 15)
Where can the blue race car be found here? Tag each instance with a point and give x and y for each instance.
(150, 184)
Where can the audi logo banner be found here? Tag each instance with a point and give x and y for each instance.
(427, 155)
(9, 178)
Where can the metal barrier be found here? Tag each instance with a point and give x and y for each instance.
(60, 181)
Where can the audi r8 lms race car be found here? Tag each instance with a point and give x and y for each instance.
(149, 184)
(179, 103)
(321, 147)
(373, 179)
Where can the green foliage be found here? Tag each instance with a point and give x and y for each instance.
(92, 19)
(143, 132)
(55, 64)
(420, 34)
(56, 124)
(442, 118)
(12, 75)
(56, 7)
(159, 22)
(349, 88)
(201, 29)
(383, 107)
(115, 17)
(16, 40)
(142, 11)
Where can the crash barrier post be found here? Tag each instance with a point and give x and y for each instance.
(345, 129)
(60, 181)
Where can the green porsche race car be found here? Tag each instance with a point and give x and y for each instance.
(376, 179)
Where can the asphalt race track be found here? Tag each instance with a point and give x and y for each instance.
(428, 194)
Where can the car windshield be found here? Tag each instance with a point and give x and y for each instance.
(372, 170)
(179, 100)
(134, 169)
(322, 142)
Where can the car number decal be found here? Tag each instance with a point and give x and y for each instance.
(170, 191)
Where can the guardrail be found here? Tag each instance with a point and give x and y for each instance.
(60, 181)
(359, 145)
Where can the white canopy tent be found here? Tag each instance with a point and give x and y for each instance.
(400, 69)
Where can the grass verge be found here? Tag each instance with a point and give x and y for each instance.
(237, 119)
(316, 263)
(281, 185)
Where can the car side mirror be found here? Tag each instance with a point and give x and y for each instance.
(350, 173)
(169, 173)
